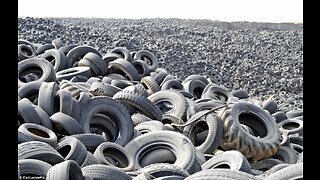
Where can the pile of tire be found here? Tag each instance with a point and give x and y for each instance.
(87, 115)
(265, 59)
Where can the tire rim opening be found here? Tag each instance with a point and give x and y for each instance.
(39, 132)
(254, 122)
(64, 151)
(118, 158)
(290, 125)
(154, 149)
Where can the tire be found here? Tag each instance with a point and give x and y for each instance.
(44, 117)
(294, 171)
(77, 53)
(270, 105)
(124, 67)
(300, 158)
(102, 124)
(292, 126)
(266, 164)
(66, 170)
(275, 169)
(39, 133)
(158, 156)
(137, 88)
(46, 97)
(179, 144)
(39, 150)
(150, 126)
(39, 66)
(260, 121)
(214, 126)
(240, 93)
(69, 73)
(71, 148)
(95, 70)
(103, 89)
(138, 118)
(65, 101)
(232, 160)
(279, 116)
(89, 160)
(90, 141)
(216, 92)
(92, 80)
(221, 174)
(297, 148)
(147, 56)
(199, 106)
(32, 167)
(196, 77)
(42, 49)
(79, 79)
(195, 87)
(27, 113)
(162, 170)
(294, 113)
(141, 67)
(150, 84)
(111, 57)
(140, 103)
(56, 58)
(57, 43)
(121, 83)
(286, 154)
(170, 102)
(30, 91)
(160, 77)
(25, 52)
(22, 137)
(65, 124)
(119, 156)
(21, 41)
(123, 52)
(100, 171)
(65, 49)
(171, 84)
(111, 108)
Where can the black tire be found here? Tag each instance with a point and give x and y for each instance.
(270, 105)
(294, 113)
(137, 88)
(160, 77)
(170, 102)
(286, 154)
(95, 70)
(27, 113)
(39, 150)
(111, 108)
(56, 58)
(65, 124)
(93, 79)
(44, 117)
(232, 160)
(25, 52)
(158, 156)
(279, 116)
(240, 93)
(140, 103)
(65, 101)
(171, 84)
(221, 174)
(292, 126)
(57, 43)
(69, 73)
(298, 149)
(141, 67)
(71, 148)
(294, 171)
(32, 168)
(39, 133)
(199, 106)
(209, 122)
(65, 170)
(266, 164)
(216, 92)
(102, 124)
(150, 84)
(46, 97)
(111, 57)
(22, 137)
(79, 78)
(30, 91)
(124, 67)
(103, 89)
(162, 170)
(42, 68)
(179, 144)
(77, 53)
(113, 154)
(150, 126)
(147, 56)
(89, 160)
(123, 52)
(42, 49)
(196, 77)
(65, 49)
(101, 171)
(260, 121)
(90, 141)
(274, 169)
(138, 118)
(121, 83)
(194, 87)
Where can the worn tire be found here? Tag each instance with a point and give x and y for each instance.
(32, 167)
(89, 160)
(294, 171)
(90, 141)
(71, 148)
(77, 53)
(65, 124)
(101, 171)
(147, 56)
(150, 84)
(39, 133)
(69, 73)
(260, 121)
(292, 126)
(56, 58)
(68, 169)
(141, 67)
(221, 174)
(30, 91)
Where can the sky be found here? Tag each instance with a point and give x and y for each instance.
(276, 11)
